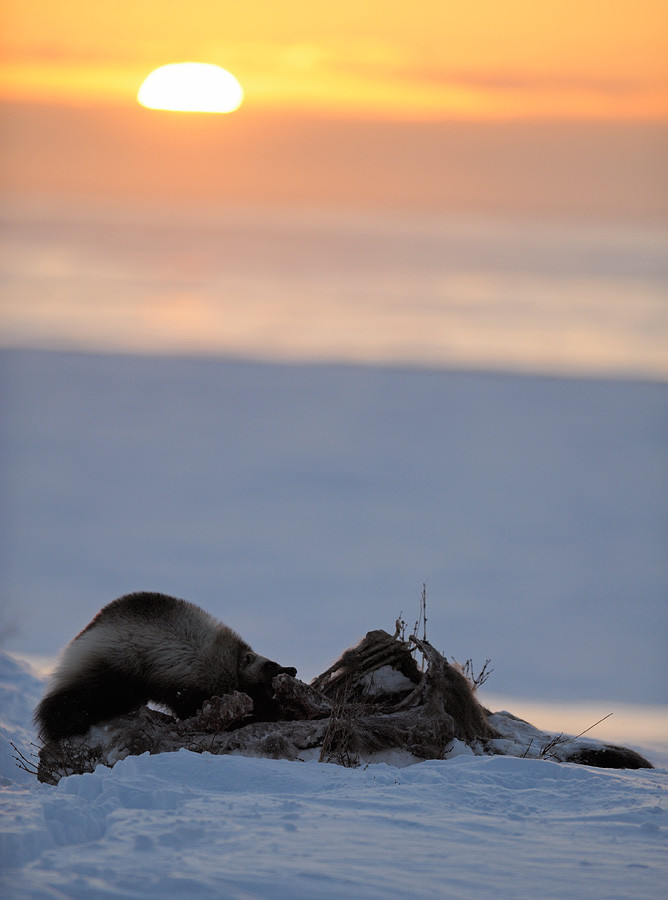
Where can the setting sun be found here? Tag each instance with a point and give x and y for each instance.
(432, 61)
(191, 87)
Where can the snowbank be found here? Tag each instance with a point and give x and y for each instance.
(184, 824)
(199, 826)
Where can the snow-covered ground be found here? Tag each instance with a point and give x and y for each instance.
(199, 826)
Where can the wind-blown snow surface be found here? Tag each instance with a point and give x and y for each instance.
(231, 828)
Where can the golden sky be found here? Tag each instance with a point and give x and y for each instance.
(428, 59)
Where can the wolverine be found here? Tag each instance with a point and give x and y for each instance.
(150, 647)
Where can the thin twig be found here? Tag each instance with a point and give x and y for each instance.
(592, 726)
(561, 741)
(22, 761)
(424, 612)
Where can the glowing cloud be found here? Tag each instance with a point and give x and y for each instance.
(191, 87)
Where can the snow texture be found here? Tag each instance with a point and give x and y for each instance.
(185, 824)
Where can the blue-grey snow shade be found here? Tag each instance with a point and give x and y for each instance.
(305, 505)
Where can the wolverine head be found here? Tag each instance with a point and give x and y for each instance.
(257, 671)
(255, 679)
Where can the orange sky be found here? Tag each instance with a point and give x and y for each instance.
(422, 60)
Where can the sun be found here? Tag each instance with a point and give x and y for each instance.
(191, 87)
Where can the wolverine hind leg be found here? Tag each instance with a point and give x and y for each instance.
(101, 693)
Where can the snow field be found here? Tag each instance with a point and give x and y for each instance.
(183, 824)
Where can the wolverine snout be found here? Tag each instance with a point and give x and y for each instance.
(271, 669)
